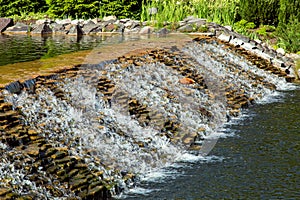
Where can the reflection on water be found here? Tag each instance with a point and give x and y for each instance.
(21, 48)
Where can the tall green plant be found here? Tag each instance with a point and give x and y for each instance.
(259, 11)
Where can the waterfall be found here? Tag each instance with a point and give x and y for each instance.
(140, 113)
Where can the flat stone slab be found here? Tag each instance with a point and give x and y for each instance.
(4, 23)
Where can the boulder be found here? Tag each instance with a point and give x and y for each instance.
(281, 51)
(5, 23)
(109, 18)
(90, 28)
(19, 28)
(225, 38)
(147, 30)
(186, 28)
(42, 29)
(163, 31)
(58, 28)
(74, 30)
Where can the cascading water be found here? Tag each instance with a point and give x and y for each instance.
(141, 113)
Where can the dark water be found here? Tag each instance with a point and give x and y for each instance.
(21, 48)
(261, 160)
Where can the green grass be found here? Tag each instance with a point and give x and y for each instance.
(219, 11)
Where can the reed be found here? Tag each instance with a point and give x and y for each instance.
(219, 11)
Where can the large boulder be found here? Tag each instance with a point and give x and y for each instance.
(42, 29)
(5, 23)
(19, 28)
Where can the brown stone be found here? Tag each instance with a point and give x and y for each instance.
(186, 81)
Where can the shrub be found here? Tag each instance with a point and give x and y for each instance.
(259, 11)
(73, 8)
(20, 7)
(289, 35)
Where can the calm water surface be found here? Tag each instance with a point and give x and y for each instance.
(261, 160)
(21, 48)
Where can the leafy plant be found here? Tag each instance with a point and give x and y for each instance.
(244, 27)
(289, 35)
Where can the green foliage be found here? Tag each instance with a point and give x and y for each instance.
(21, 7)
(265, 30)
(244, 27)
(73, 8)
(259, 11)
(220, 11)
(289, 10)
(121, 9)
(289, 35)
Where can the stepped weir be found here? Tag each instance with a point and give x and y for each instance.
(91, 131)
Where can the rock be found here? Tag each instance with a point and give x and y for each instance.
(186, 81)
(58, 28)
(198, 22)
(19, 28)
(190, 18)
(75, 30)
(42, 29)
(146, 30)
(225, 38)
(41, 21)
(163, 31)
(90, 27)
(5, 23)
(64, 21)
(109, 28)
(281, 51)
(75, 22)
(110, 18)
(152, 11)
(124, 20)
(228, 27)
(186, 28)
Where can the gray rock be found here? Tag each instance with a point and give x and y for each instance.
(75, 30)
(228, 27)
(146, 30)
(58, 28)
(5, 23)
(124, 20)
(281, 51)
(64, 21)
(42, 21)
(186, 28)
(225, 38)
(110, 18)
(20, 28)
(163, 31)
(198, 22)
(189, 18)
(90, 28)
(42, 29)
